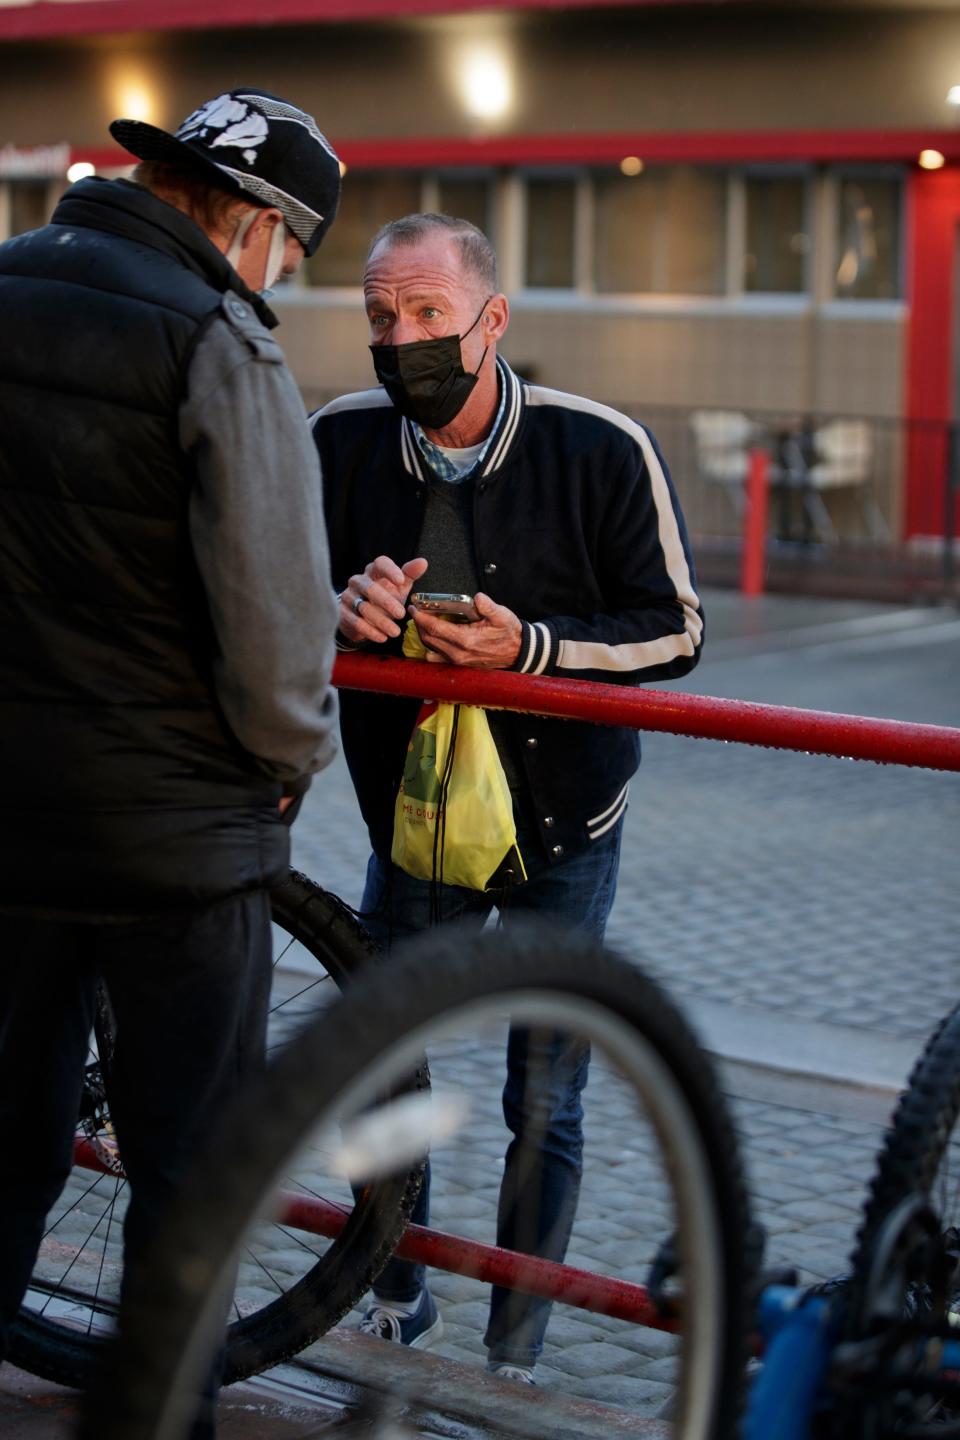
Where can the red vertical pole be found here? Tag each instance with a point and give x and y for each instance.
(933, 212)
(754, 549)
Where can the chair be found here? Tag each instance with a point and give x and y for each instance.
(722, 440)
(806, 461)
(843, 451)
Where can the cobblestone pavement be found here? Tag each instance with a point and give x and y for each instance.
(802, 908)
(814, 894)
(816, 887)
(807, 1173)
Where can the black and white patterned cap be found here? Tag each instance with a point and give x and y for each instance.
(256, 145)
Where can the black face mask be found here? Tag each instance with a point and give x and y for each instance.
(425, 379)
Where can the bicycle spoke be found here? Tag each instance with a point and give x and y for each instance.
(107, 1210)
(289, 999)
(91, 1188)
(305, 1189)
(298, 1240)
(284, 952)
(255, 1260)
(103, 1259)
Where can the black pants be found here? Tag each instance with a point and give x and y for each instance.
(189, 992)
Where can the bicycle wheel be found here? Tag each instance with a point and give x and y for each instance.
(905, 1280)
(453, 997)
(290, 1289)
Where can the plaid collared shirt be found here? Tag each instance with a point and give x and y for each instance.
(441, 465)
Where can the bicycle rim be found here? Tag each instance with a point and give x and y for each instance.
(445, 997)
(290, 1287)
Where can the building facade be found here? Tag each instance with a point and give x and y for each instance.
(719, 207)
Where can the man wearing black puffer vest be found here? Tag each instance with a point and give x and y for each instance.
(166, 638)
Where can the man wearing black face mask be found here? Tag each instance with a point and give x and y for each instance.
(559, 517)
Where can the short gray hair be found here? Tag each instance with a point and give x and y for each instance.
(477, 255)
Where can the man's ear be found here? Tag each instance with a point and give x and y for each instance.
(264, 222)
(496, 317)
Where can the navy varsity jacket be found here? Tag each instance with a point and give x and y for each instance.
(577, 529)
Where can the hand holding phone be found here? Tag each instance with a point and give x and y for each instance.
(493, 644)
(459, 608)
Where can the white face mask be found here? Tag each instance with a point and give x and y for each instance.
(275, 254)
(274, 268)
(236, 244)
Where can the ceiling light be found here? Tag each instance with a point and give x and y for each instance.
(930, 160)
(80, 170)
(953, 95)
(132, 95)
(631, 165)
(486, 84)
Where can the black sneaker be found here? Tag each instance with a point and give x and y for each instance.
(418, 1330)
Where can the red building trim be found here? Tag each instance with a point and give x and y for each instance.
(694, 147)
(704, 147)
(43, 20)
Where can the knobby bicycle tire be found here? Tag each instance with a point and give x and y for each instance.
(919, 1135)
(920, 1157)
(375, 1030)
(60, 1351)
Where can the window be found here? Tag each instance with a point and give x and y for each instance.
(469, 199)
(369, 200)
(660, 232)
(550, 243)
(670, 230)
(778, 237)
(29, 205)
(868, 238)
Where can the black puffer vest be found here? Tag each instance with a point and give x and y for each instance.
(123, 791)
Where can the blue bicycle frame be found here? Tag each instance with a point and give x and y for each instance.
(799, 1334)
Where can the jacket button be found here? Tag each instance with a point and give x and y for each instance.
(532, 742)
(490, 569)
(481, 487)
(557, 851)
(548, 821)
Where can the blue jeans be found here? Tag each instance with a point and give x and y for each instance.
(546, 1073)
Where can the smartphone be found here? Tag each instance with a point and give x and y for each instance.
(451, 607)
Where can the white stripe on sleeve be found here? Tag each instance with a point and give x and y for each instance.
(635, 655)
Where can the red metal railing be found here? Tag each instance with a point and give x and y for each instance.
(814, 731)
(856, 737)
(602, 1294)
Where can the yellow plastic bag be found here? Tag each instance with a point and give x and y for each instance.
(453, 820)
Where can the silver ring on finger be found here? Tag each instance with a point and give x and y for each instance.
(357, 603)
